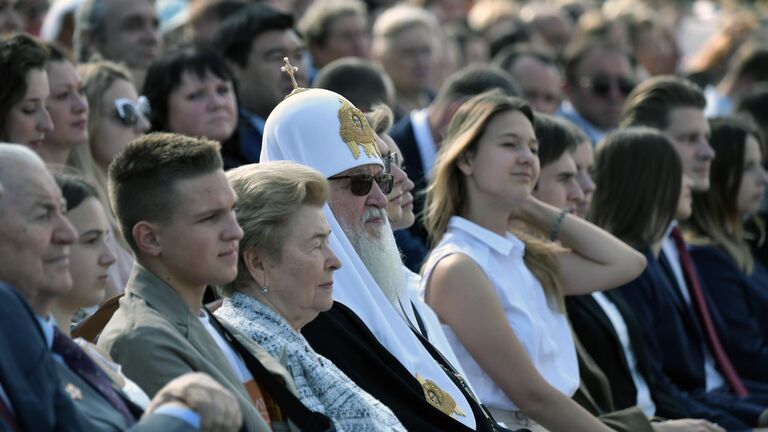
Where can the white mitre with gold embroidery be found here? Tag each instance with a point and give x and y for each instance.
(321, 129)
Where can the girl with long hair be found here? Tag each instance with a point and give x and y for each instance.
(497, 291)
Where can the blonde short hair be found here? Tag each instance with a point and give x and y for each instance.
(269, 194)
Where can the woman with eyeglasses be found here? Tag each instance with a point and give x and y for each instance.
(191, 92)
(737, 283)
(67, 106)
(24, 92)
(117, 116)
(518, 352)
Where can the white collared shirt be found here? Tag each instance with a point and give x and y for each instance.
(644, 400)
(237, 363)
(713, 378)
(542, 331)
(426, 144)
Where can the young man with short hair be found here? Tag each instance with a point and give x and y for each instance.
(175, 209)
(690, 357)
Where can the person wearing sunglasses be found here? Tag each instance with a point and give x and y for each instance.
(367, 333)
(117, 116)
(599, 76)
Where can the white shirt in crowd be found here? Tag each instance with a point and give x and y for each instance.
(542, 331)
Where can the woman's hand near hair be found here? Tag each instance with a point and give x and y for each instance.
(595, 259)
(462, 296)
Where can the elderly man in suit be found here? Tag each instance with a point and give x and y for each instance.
(34, 256)
(175, 207)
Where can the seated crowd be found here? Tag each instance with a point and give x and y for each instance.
(336, 215)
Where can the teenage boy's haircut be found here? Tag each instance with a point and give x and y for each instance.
(651, 101)
(143, 177)
(555, 137)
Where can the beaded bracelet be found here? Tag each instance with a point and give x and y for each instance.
(556, 224)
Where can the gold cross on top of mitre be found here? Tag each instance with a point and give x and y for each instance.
(291, 70)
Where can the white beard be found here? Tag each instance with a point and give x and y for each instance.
(381, 257)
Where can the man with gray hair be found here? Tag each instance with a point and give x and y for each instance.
(334, 29)
(405, 43)
(35, 238)
(121, 31)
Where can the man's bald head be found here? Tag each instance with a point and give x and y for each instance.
(34, 235)
(14, 157)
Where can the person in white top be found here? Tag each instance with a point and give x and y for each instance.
(401, 216)
(518, 353)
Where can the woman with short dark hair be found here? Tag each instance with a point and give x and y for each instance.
(191, 92)
(24, 92)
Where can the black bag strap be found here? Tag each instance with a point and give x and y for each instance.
(306, 419)
(456, 377)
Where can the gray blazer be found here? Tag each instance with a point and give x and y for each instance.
(96, 414)
(156, 338)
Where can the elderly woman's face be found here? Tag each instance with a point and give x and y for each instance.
(301, 282)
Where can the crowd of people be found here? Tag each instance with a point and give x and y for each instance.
(349, 215)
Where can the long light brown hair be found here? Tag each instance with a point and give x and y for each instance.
(716, 218)
(447, 192)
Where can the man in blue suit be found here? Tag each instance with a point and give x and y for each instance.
(48, 389)
(28, 380)
(674, 311)
(254, 42)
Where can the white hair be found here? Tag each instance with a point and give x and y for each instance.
(380, 256)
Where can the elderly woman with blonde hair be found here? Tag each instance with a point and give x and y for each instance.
(285, 279)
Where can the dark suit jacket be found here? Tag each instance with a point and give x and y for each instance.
(98, 415)
(28, 372)
(244, 147)
(674, 347)
(594, 394)
(342, 337)
(412, 241)
(742, 302)
(599, 338)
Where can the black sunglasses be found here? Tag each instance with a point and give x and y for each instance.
(361, 184)
(601, 85)
(129, 111)
(390, 160)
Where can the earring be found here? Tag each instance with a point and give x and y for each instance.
(264, 289)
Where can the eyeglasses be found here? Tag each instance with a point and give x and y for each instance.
(389, 160)
(361, 184)
(129, 111)
(601, 85)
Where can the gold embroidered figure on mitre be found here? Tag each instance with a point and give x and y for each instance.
(291, 70)
(438, 398)
(355, 130)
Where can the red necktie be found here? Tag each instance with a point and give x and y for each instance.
(7, 416)
(700, 305)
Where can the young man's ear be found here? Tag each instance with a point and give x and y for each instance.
(256, 266)
(146, 238)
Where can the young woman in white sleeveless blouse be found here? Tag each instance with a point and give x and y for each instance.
(509, 332)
